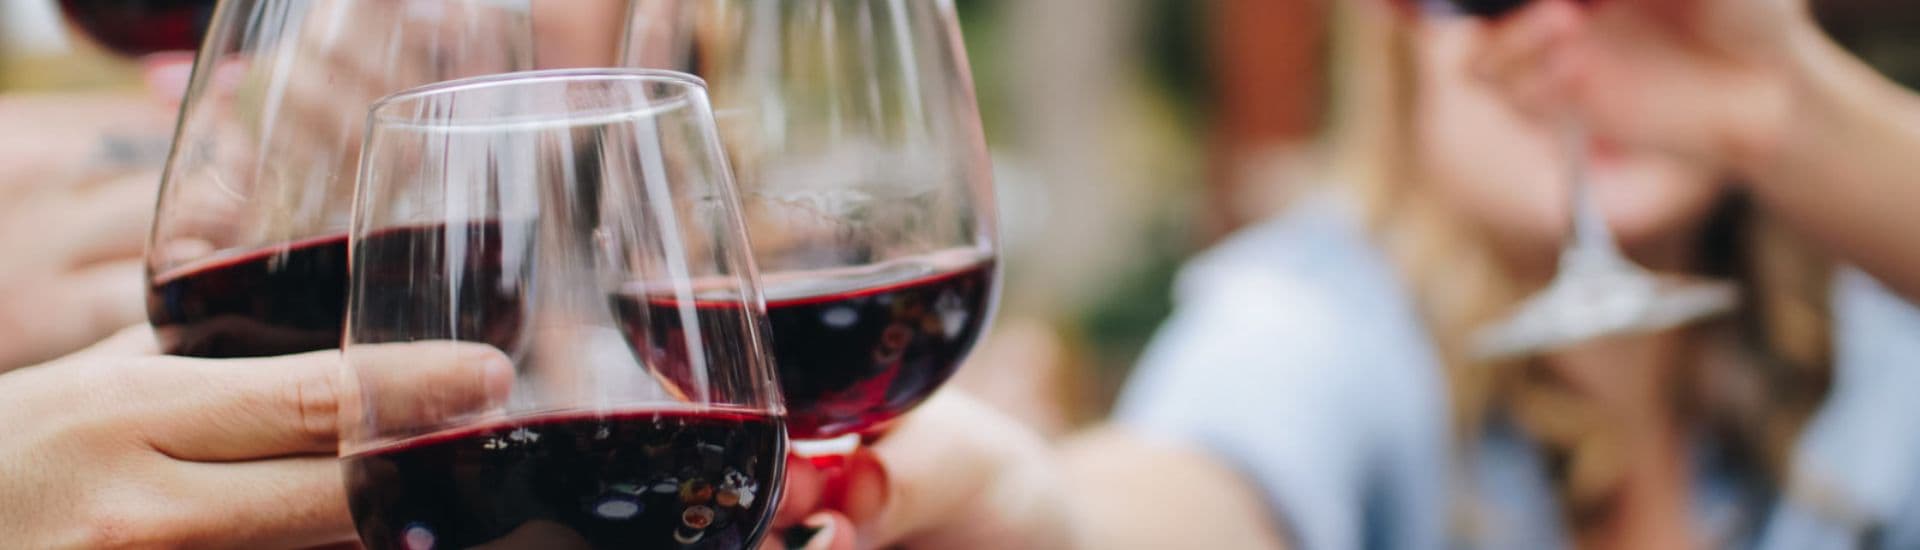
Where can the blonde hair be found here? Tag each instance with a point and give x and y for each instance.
(1759, 401)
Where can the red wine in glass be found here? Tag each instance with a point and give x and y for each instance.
(284, 300)
(138, 27)
(588, 450)
(293, 299)
(633, 479)
(854, 349)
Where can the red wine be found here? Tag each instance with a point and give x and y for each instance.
(853, 352)
(426, 283)
(140, 27)
(292, 298)
(664, 479)
(277, 301)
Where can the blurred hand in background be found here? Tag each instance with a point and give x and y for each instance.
(77, 180)
(1707, 78)
(1756, 87)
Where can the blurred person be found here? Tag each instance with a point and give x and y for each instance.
(1314, 387)
(117, 447)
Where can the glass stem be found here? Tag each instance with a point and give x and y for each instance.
(1590, 245)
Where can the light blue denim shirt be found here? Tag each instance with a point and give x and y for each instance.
(1295, 355)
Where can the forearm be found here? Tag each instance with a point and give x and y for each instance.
(1125, 492)
(1844, 166)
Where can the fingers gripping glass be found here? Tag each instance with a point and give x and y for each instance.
(510, 222)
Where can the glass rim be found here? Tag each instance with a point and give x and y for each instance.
(685, 81)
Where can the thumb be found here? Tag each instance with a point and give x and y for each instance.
(244, 409)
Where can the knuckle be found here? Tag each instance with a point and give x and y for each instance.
(315, 403)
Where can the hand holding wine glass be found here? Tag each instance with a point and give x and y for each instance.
(1823, 140)
(1710, 79)
(955, 474)
(116, 447)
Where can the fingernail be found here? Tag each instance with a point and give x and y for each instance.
(496, 375)
(815, 534)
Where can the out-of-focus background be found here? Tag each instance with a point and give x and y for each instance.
(1128, 135)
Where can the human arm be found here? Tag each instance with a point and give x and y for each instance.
(1249, 424)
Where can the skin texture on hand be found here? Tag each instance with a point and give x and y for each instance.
(956, 474)
(115, 447)
(77, 181)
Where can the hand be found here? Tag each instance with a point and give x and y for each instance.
(115, 447)
(1710, 79)
(57, 141)
(954, 474)
(77, 180)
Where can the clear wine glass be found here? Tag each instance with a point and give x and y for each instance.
(582, 226)
(249, 245)
(1598, 292)
(853, 129)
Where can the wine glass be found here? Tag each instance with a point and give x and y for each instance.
(249, 244)
(854, 132)
(1598, 292)
(582, 226)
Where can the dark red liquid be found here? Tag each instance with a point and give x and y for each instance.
(292, 299)
(1487, 8)
(672, 479)
(426, 283)
(140, 27)
(849, 360)
(279, 301)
